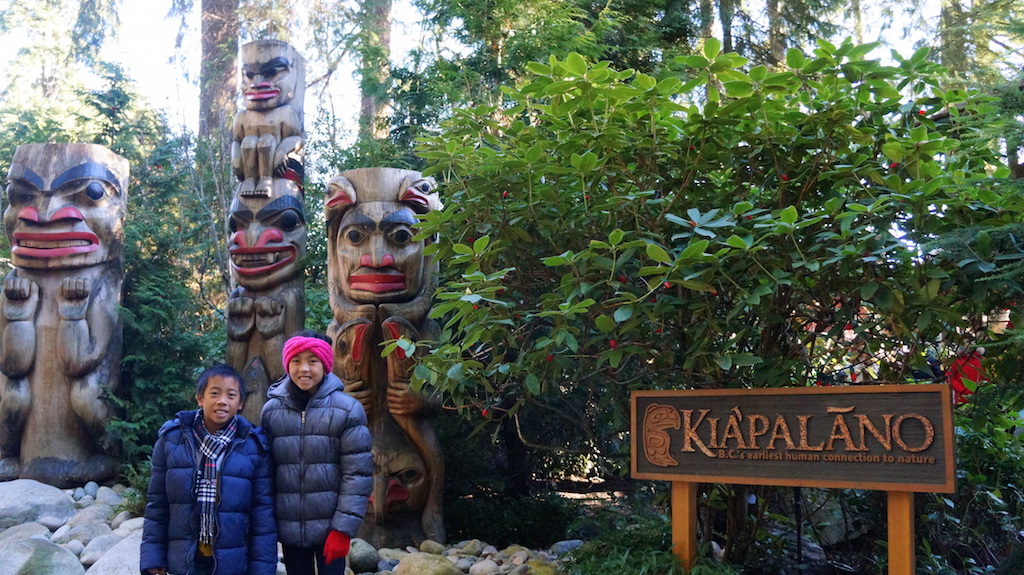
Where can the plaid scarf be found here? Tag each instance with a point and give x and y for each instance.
(211, 449)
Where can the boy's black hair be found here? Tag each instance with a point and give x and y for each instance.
(222, 370)
(311, 333)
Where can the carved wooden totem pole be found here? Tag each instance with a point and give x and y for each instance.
(60, 350)
(267, 222)
(381, 286)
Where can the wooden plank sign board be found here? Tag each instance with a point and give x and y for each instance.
(886, 437)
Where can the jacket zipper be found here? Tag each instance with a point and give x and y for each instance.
(302, 478)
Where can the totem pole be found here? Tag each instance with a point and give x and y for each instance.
(380, 286)
(267, 222)
(60, 351)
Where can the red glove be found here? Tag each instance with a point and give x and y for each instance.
(336, 546)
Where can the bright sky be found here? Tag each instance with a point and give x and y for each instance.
(168, 77)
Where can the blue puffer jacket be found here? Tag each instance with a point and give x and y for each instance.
(324, 461)
(246, 542)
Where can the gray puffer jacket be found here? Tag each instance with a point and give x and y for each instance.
(324, 465)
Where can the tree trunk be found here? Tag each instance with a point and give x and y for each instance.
(374, 68)
(218, 81)
(953, 37)
(707, 18)
(858, 21)
(776, 35)
(726, 10)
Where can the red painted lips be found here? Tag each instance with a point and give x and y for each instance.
(377, 283)
(54, 244)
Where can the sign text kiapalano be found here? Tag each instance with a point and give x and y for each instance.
(869, 437)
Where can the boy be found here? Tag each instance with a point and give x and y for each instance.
(210, 508)
(321, 446)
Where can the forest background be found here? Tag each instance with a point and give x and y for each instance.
(641, 194)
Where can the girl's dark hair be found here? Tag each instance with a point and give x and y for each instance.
(221, 370)
(311, 333)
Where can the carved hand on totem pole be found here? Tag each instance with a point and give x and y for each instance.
(60, 322)
(268, 134)
(380, 286)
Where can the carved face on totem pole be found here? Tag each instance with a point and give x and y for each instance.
(266, 246)
(371, 233)
(67, 210)
(271, 75)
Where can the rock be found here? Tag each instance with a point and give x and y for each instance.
(119, 519)
(79, 493)
(565, 546)
(122, 559)
(120, 489)
(520, 557)
(23, 531)
(85, 501)
(95, 513)
(485, 567)
(426, 564)
(473, 547)
(538, 567)
(133, 524)
(106, 495)
(520, 570)
(91, 488)
(97, 547)
(464, 563)
(75, 546)
(431, 546)
(25, 500)
(52, 522)
(386, 565)
(362, 557)
(489, 551)
(37, 556)
(389, 554)
(84, 533)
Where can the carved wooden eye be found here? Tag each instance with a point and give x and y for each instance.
(355, 235)
(95, 191)
(289, 220)
(401, 236)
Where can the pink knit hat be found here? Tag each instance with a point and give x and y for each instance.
(299, 344)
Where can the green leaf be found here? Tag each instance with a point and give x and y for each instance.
(789, 215)
(615, 238)
(623, 313)
(532, 384)
(658, 254)
(576, 65)
(737, 242)
(712, 46)
(481, 244)
(795, 58)
(538, 68)
(604, 323)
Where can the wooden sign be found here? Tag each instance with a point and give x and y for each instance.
(886, 437)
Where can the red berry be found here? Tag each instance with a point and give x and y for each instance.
(504, 194)
(654, 300)
(714, 294)
(784, 177)
(920, 112)
(613, 344)
(893, 165)
(476, 306)
(848, 326)
(549, 357)
(622, 279)
(748, 217)
(667, 285)
(657, 330)
(486, 412)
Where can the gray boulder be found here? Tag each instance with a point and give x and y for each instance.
(95, 513)
(122, 559)
(362, 557)
(85, 533)
(97, 547)
(23, 531)
(25, 500)
(426, 564)
(38, 556)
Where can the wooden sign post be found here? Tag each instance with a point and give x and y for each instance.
(897, 438)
